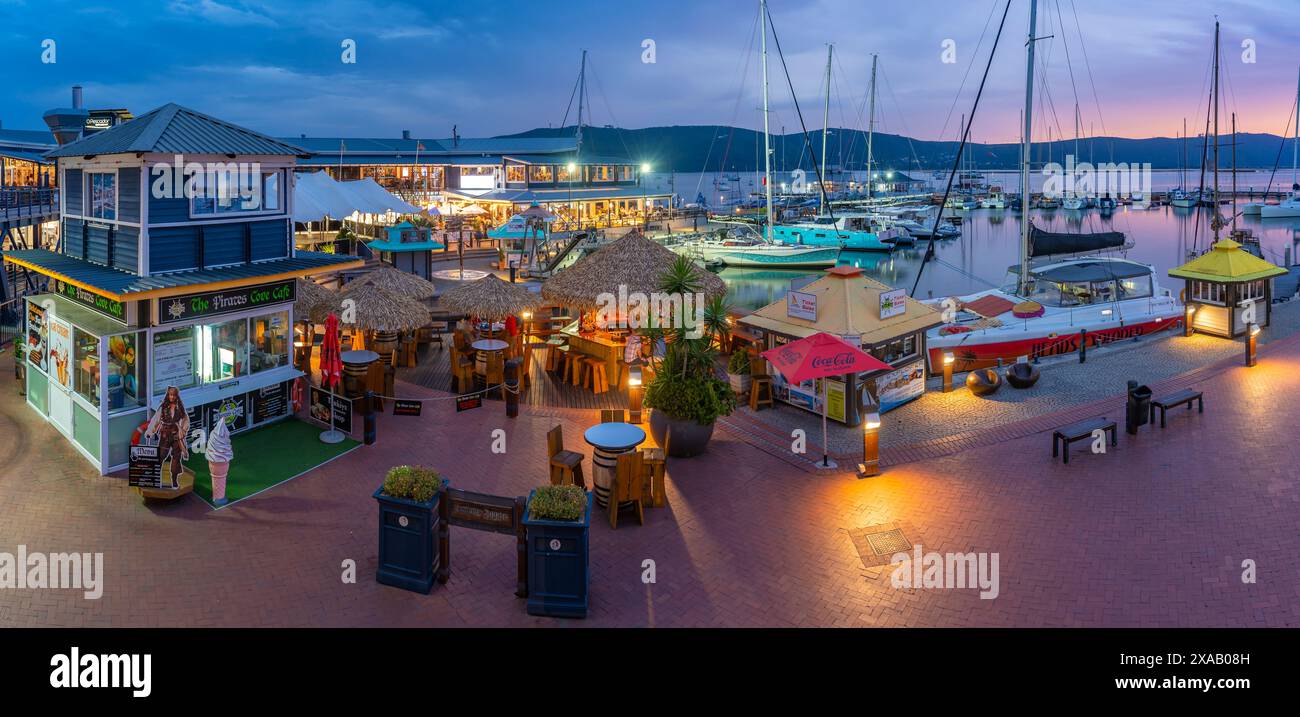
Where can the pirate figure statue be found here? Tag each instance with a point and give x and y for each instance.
(171, 424)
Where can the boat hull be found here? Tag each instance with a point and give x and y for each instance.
(807, 259)
(1280, 211)
(830, 237)
(984, 352)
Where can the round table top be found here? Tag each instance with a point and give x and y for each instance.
(614, 436)
(358, 356)
(489, 345)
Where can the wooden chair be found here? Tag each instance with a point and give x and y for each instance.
(526, 368)
(463, 372)
(760, 384)
(573, 362)
(613, 415)
(655, 459)
(555, 358)
(566, 466)
(596, 377)
(496, 372)
(629, 482)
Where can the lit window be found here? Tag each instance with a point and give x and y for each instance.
(102, 193)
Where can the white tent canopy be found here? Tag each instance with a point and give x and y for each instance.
(316, 196)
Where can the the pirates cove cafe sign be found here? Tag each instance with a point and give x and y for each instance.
(181, 309)
(115, 310)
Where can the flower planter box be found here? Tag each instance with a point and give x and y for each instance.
(689, 438)
(559, 570)
(739, 382)
(408, 554)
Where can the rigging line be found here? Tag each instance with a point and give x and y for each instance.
(957, 97)
(1281, 145)
(966, 273)
(938, 216)
(1092, 82)
(1200, 193)
(618, 130)
(907, 133)
(830, 209)
(740, 92)
(572, 95)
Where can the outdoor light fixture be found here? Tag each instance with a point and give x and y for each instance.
(948, 360)
(572, 167)
(645, 169)
(1187, 322)
(1252, 344)
(870, 465)
(1106, 312)
(634, 394)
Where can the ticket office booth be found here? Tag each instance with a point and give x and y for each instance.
(86, 375)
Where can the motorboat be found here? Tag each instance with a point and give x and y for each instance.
(995, 200)
(1182, 198)
(858, 233)
(1074, 203)
(1289, 207)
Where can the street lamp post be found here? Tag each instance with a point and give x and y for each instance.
(1252, 345)
(645, 209)
(948, 360)
(634, 394)
(870, 465)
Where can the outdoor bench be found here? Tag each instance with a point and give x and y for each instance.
(1080, 431)
(1173, 400)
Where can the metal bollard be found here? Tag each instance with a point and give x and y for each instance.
(512, 387)
(368, 420)
(1083, 345)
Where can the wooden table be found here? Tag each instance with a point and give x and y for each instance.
(609, 441)
(483, 347)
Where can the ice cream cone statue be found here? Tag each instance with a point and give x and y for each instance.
(171, 424)
(219, 455)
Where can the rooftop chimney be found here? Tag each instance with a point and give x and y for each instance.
(76, 97)
(406, 134)
(67, 123)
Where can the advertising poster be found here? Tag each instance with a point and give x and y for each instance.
(173, 359)
(900, 386)
(270, 402)
(232, 410)
(36, 336)
(893, 303)
(60, 346)
(342, 411)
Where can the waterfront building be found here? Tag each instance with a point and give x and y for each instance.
(155, 283)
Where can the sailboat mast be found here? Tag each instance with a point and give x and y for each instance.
(1234, 171)
(767, 140)
(871, 125)
(1024, 150)
(1214, 216)
(826, 124)
(582, 91)
(1295, 144)
(1182, 173)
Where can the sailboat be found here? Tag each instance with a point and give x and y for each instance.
(1289, 207)
(1075, 201)
(1047, 300)
(1181, 197)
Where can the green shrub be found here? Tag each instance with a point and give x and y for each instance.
(412, 483)
(558, 502)
(696, 398)
(739, 362)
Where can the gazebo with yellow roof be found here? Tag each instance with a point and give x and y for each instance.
(885, 323)
(1225, 288)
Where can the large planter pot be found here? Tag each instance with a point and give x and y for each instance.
(739, 382)
(559, 570)
(408, 557)
(689, 438)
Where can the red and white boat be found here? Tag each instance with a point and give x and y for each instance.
(1109, 298)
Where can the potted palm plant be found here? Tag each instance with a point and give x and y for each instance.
(557, 523)
(408, 521)
(738, 371)
(686, 395)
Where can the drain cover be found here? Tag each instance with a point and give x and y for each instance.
(888, 542)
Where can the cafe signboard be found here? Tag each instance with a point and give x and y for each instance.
(182, 309)
(115, 310)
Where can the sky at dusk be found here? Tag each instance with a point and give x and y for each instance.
(496, 67)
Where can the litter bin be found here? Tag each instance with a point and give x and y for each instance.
(1138, 410)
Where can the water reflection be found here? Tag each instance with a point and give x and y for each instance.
(979, 259)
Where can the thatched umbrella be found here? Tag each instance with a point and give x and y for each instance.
(309, 296)
(634, 262)
(396, 282)
(489, 298)
(371, 308)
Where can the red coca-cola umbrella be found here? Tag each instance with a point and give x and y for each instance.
(821, 356)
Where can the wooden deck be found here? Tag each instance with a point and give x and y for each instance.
(434, 371)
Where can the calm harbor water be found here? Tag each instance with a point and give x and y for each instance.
(990, 243)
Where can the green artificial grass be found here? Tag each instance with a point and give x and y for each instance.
(266, 457)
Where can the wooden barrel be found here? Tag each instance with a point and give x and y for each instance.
(354, 379)
(384, 344)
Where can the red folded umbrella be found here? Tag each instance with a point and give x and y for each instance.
(331, 365)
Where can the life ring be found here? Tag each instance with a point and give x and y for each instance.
(1182, 296)
(297, 394)
(138, 434)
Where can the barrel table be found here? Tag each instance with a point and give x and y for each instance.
(609, 441)
(355, 366)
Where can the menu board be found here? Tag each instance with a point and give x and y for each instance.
(173, 359)
(145, 467)
(270, 402)
(36, 336)
(60, 338)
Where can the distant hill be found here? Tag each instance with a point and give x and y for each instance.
(695, 148)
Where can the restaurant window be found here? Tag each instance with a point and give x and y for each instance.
(85, 372)
(515, 173)
(270, 347)
(101, 191)
(126, 362)
(235, 192)
(1252, 291)
(602, 173)
(564, 175)
(223, 351)
(173, 359)
(541, 173)
(625, 173)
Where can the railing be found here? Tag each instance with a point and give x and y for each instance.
(28, 200)
(11, 323)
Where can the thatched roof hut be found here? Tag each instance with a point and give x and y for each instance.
(397, 282)
(374, 309)
(634, 262)
(489, 298)
(309, 296)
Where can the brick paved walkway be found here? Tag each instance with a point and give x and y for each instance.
(1152, 533)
